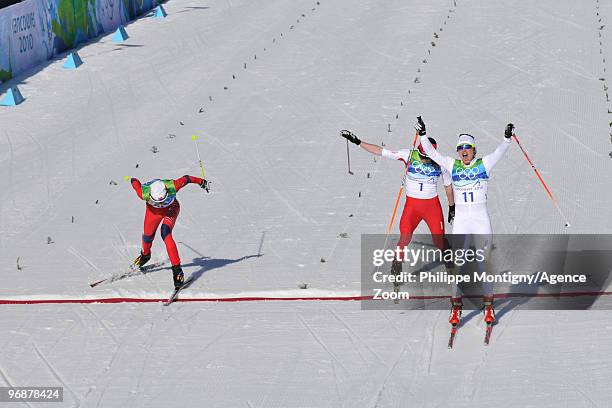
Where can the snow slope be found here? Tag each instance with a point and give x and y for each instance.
(295, 354)
(282, 197)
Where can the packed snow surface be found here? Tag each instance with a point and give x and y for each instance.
(266, 87)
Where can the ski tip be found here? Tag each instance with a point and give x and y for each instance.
(171, 300)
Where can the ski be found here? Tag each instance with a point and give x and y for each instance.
(451, 339)
(176, 292)
(488, 331)
(132, 271)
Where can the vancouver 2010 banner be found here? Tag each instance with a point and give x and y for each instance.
(34, 31)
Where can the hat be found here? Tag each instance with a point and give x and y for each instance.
(466, 139)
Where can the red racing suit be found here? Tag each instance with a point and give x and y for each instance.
(422, 203)
(166, 215)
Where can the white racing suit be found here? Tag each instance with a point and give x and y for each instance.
(470, 184)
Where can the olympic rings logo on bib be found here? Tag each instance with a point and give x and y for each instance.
(467, 174)
(426, 170)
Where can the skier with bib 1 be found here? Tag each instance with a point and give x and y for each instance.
(163, 207)
(421, 187)
(470, 178)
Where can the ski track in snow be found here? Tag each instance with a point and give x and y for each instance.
(56, 375)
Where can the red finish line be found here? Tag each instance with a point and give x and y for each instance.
(271, 299)
(154, 300)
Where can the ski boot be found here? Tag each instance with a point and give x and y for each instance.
(396, 270)
(489, 313)
(455, 315)
(142, 260)
(396, 267)
(177, 275)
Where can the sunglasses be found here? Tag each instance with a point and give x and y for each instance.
(464, 147)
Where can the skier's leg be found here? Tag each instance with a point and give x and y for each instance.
(166, 233)
(411, 218)
(408, 222)
(435, 221)
(483, 242)
(462, 227)
(151, 222)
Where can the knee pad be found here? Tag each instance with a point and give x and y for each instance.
(165, 231)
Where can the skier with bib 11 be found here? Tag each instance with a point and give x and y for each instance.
(163, 207)
(421, 186)
(470, 177)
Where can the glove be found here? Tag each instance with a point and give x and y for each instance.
(205, 185)
(509, 131)
(451, 213)
(348, 135)
(420, 126)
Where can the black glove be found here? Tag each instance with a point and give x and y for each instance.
(205, 185)
(420, 126)
(348, 135)
(451, 213)
(509, 131)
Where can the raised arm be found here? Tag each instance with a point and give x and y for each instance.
(401, 155)
(136, 186)
(491, 160)
(443, 161)
(372, 148)
(368, 147)
(186, 179)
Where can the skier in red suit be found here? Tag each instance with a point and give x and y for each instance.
(163, 207)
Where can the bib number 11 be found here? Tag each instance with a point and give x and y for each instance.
(471, 196)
